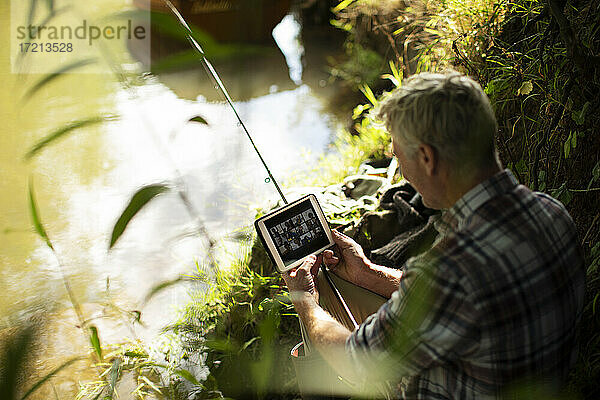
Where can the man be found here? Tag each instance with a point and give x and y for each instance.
(494, 303)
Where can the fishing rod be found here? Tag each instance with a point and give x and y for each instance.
(213, 73)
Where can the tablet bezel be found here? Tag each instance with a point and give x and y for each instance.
(267, 240)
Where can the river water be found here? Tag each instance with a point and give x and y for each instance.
(84, 180)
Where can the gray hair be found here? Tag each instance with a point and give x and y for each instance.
(449, 112)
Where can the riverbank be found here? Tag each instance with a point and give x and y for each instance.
(523, 56)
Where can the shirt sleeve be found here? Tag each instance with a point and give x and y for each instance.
(430, 320)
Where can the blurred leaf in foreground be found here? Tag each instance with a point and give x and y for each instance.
(35, 216)
(65, 130)
(137, 202)
(198, 119)
(56, 370)
(57, 74)
(95, 341)
(163, 285)
(15, 351)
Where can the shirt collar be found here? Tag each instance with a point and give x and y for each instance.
(455, 217)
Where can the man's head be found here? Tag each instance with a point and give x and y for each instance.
(442, 128)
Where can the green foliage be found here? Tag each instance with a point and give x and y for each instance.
(246, 325)
(537, 61)
(361, 67)
(95, 342)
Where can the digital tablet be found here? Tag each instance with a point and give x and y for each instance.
(294, 232)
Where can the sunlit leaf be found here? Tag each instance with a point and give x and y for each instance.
(248, 343)
(396, 76)
(198, 119)
(188, 376)
(151, 384)
(340, 25)
(369, 94)
(525, 89)
(95, 341)
(359, 109)
(343, 4)
(66, 130)
(135, 354)
(137, 202)
(39, 383)
(57, 74)
(399, 30)
(35, 216)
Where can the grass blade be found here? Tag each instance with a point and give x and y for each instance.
(65, 130)
(48, 376)
(115, 369)
(57, 74)
(95, 341)
(35, 216)
(137, 202)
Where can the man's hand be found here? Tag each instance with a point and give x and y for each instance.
(353, 261)
(301, 280)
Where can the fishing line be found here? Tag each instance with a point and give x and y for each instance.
(219, 84)
(211, 71)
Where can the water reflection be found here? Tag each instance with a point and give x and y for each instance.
(84, 181)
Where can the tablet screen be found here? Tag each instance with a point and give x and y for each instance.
(297, 232)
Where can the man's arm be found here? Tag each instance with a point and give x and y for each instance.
(326, 334)
(356, 268)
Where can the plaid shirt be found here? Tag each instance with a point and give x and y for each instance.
(494, 302)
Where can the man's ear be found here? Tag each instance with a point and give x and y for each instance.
(429, 159)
